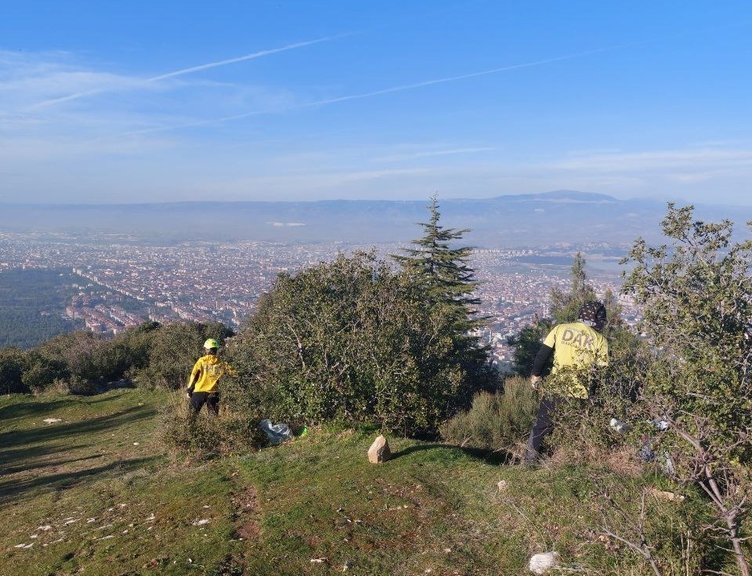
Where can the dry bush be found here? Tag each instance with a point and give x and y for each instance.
(205, 435)
(495, 421)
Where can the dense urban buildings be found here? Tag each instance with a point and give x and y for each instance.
(120, 283)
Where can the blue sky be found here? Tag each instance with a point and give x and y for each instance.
(109, 101)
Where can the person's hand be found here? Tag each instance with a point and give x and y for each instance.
(188, 393)
(534, 381)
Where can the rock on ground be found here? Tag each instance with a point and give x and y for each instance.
(379, 451)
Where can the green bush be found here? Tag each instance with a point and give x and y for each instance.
(352, 340)
(41, 373)
(171, 351)
(497, 420)
(12, 364)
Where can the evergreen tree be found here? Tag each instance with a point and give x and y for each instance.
(566, 305)
(441, 271)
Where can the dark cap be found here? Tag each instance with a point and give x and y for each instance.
(593, 313)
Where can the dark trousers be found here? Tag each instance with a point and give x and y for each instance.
(543, 426)
(211, 399)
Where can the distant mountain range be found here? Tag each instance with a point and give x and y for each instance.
(560, 217)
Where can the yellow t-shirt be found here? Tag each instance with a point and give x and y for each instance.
(208, 369)
(576, 346)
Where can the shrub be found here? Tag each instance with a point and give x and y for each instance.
(497, 420)
(172, 350)
(41, 373)
(354, 341)
(204, 435)
(696, 295)
(12, 363)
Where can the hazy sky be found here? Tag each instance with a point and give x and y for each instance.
(132, 101)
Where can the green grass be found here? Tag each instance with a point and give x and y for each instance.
(98, 493)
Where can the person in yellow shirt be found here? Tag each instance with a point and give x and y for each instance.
(577, 348)
(202, 383)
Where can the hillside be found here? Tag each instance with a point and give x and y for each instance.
(97, 492)
(557, 217)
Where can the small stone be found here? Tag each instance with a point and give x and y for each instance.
(542, 563)
(379, 451)
(664, 495)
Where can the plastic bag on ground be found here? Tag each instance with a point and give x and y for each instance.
(276, 433)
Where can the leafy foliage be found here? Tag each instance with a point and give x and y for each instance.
(356, 341)
(12, 364)
(696, 295)
(150, 355)
(171, 351)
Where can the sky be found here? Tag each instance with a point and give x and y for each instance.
(107, 101)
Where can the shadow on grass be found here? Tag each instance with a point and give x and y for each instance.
(26, 455)
(39, 407)
(25, 467)
(492, 457)
(64, 429)
(14, 489)
(23, 445)
(22, 409)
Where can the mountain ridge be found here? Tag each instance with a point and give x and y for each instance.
(567, 216)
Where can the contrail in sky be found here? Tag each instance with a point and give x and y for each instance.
(240, 58)
(405, 87)
(390, 90)
(184, 71)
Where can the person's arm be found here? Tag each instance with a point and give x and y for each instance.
(194, 377)
(543, 356)
(544, 353)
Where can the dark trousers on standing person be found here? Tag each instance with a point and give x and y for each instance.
(211, 399)
(543, 426)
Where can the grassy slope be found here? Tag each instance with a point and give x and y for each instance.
(97, 493)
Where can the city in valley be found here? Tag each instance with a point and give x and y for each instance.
(119, 283)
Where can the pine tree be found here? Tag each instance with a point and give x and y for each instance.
(566, 305)
(441, 271)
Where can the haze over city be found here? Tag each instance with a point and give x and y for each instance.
(288, 100)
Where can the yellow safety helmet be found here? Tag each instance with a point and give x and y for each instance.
(211, 343)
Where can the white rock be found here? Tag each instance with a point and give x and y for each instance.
(379, 451)
(502, 485)
(52, 420)
(542, 563)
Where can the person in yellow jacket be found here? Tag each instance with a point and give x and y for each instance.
(577, 348)
(202, 383)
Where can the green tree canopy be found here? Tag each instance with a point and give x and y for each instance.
(696, 296)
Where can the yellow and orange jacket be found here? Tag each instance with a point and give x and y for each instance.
(206, 373)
